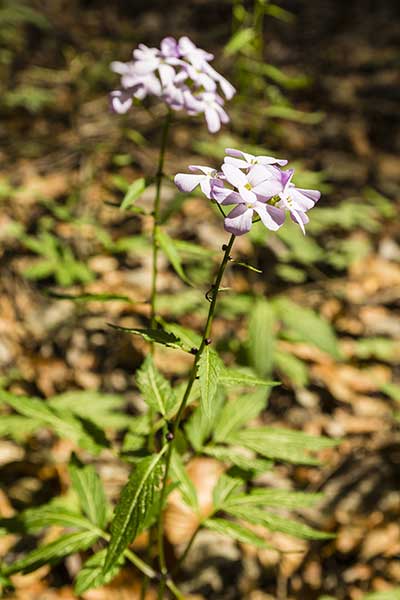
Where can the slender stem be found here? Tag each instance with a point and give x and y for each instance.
(186, 551)
(192, 376)
(156, 217)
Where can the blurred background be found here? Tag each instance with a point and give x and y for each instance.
(318, 84)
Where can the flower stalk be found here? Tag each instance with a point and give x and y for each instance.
(176, 423)
(156, 217)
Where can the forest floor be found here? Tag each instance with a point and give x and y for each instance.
(65, 162)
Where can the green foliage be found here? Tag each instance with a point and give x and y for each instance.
(80, 430)
(134, 507)
(273, 522)
(158, 336)
(156, 390)
(53, 552)
(304, 325)
(183, 481)
(57, 261)
(261, 340)
(135, 190)
(169, 248)
(235, 531)
(281, 444)
(92, 573)
(89, 488)
(209, 372)
(237, 413)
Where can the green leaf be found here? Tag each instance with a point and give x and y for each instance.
(185, 484)
(198, 427)
(261, 341)
(246, 266)
(282, 444)
(187, 337)
(291, 366)
(156, 390)
(35, 519)
(307, 326)
(53, 552)
(273, 497)
(235, 531)
(135, 190)
(88, 297)
(63, 422)
(101, 408)
(239, 40)
(239, 457)
(134, 506)
(92, 573)
(257, 516)
(168, 247)
(225, 488)
(209, 371)
(152, 335)
(238, 377)
(238, 412)
(89, 488)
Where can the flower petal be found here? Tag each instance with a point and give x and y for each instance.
(186, 182)
(239, 220)
(212, 119)
(265, 216)
(234, 175)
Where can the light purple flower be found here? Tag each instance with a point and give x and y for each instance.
(178, 72)
(244, 160)
(257, 182)
(257, 186)
(187, 182)
(296, 200)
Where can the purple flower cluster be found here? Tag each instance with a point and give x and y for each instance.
(254, 184)
(180, 74)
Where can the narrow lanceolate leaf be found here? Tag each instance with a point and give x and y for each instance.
(152, 335)
(257, 516)
(209, 371)
(273, 497)
(168, 247)
(281, 444)
(89, 297)
(307, 326)
(225, 488)
(235, 531)
(185, 484)
(89, 488)
(92, 575)
(35, 519)
(51, 553)
(239, 457)
(155, 389)
(243, 378)
(238, 412)
(134, 506)
(261, 341)
(134, 191)
(63, 422)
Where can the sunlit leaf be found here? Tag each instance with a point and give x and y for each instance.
(281, 444)
(168, 247)
(235, 531)
(307, 326)
(53, 552)
(90, 490)
(134, 506)
(92, 573)
(134, 191)
(238, 412)
(152, 335)
(156, 390)
(209, 372)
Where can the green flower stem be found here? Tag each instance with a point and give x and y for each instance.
(156, 218)
(193, 373)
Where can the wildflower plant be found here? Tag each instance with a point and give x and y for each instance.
(207, 414)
